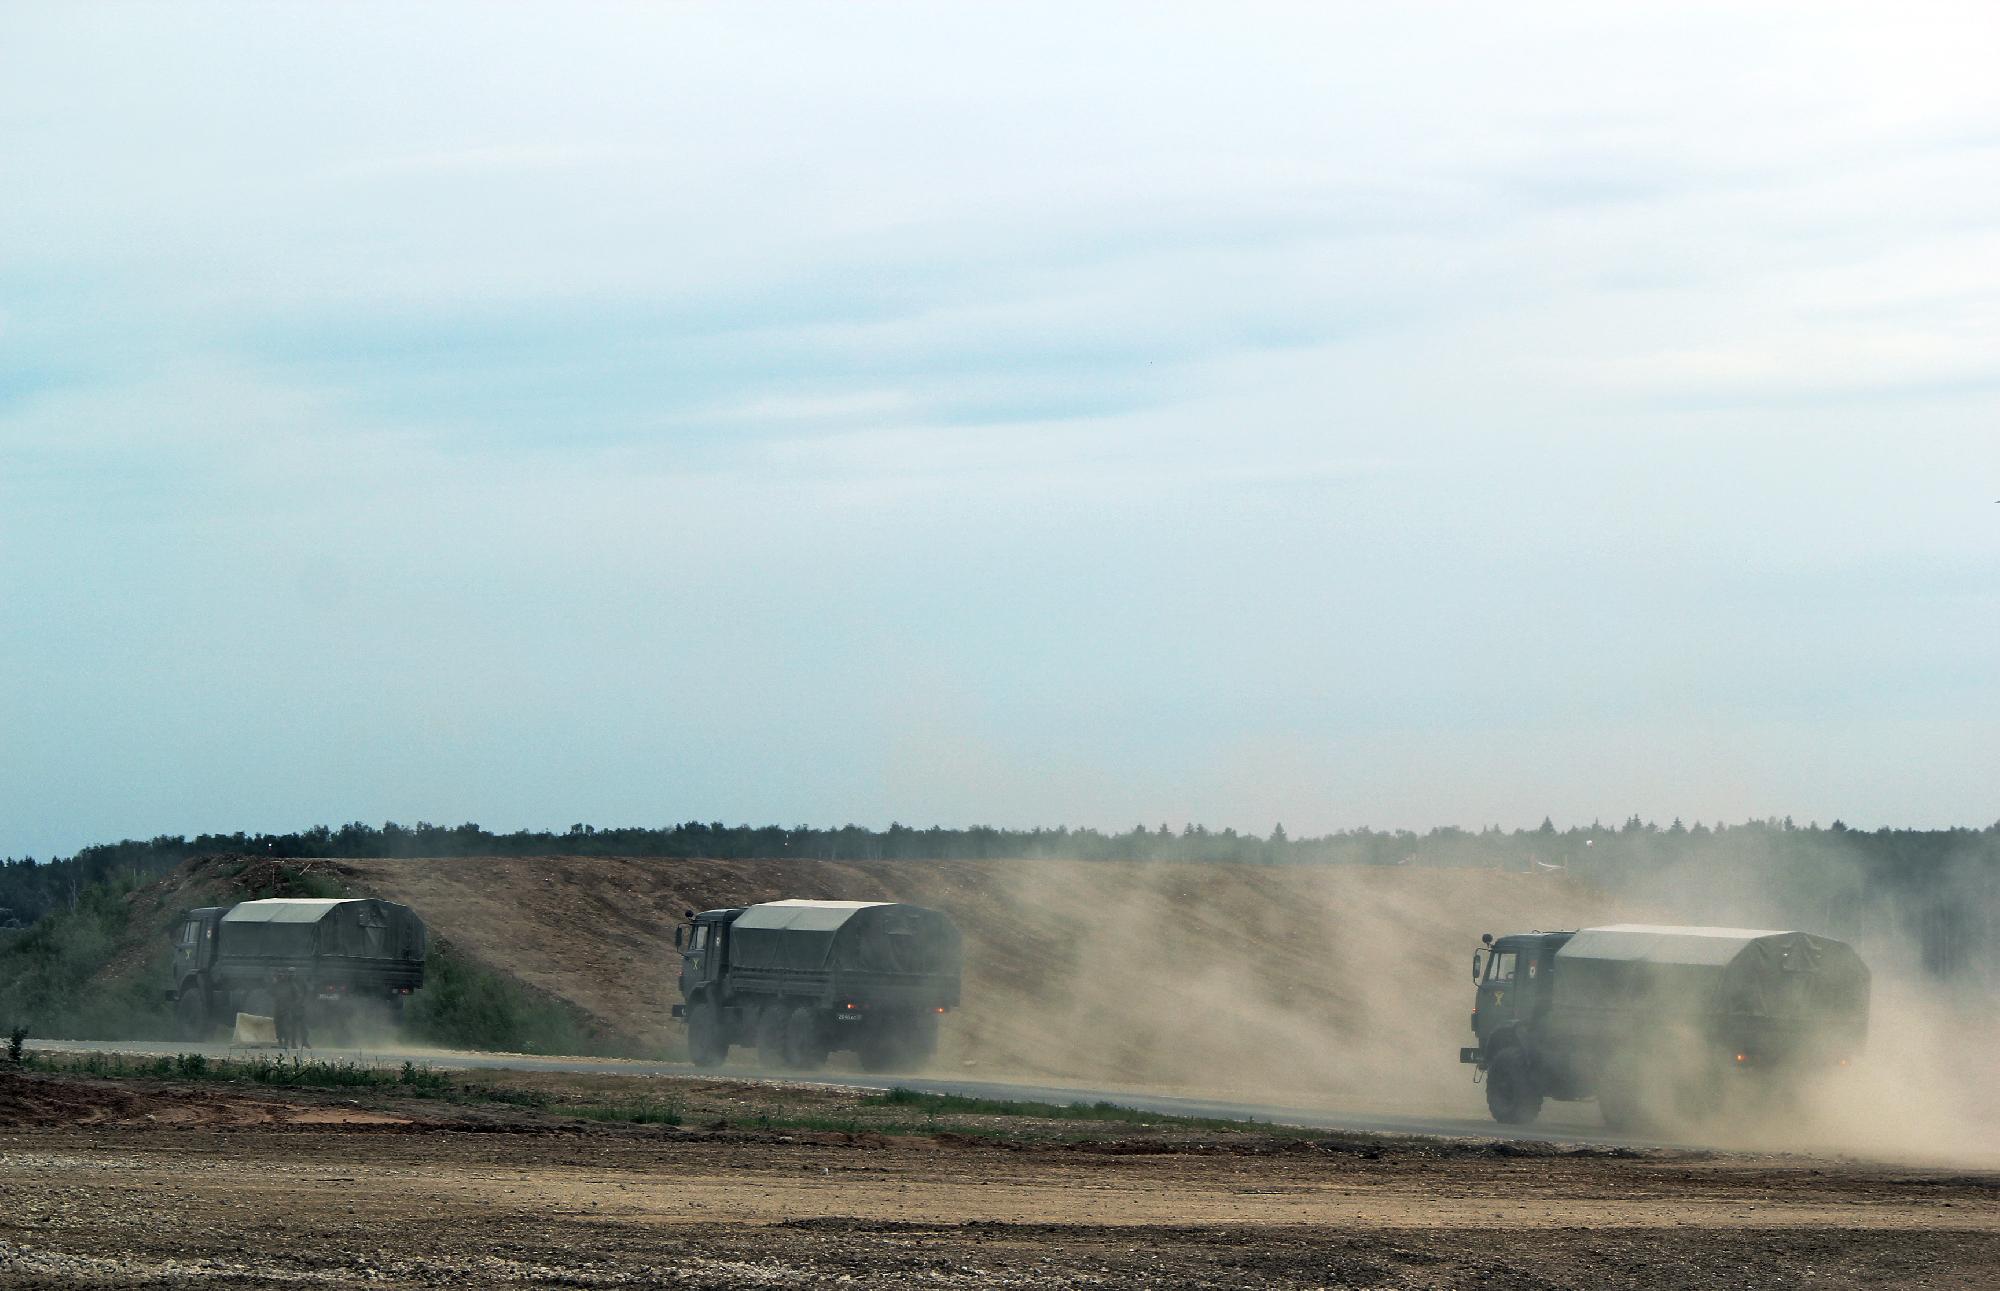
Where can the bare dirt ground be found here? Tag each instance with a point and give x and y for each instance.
(150, 1183)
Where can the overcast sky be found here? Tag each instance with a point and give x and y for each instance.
(1339, 415)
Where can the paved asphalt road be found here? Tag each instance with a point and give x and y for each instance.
(1570, 1124)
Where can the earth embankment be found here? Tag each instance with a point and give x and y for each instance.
(1339, 982)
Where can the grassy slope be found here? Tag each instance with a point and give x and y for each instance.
(101, 970)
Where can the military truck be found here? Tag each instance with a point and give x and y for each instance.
(799, 980)
(358, 960)
(1660, 1024)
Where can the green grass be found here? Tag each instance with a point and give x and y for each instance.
(630, 1113)
(412, 1080)
(955, 1105)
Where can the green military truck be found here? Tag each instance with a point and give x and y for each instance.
(357, 960)
(801, 979)
(1658, 1024)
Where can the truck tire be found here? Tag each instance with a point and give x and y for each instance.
(898, 1043)
(805, 1047)
(707, 1047)
(920, 1040)
(1624, 1108)
(771, 1036)
(876, 1047)
(1511, 1094)
(191, 1017)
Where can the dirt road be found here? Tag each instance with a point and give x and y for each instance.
(1575, 1124)
(127, 1184)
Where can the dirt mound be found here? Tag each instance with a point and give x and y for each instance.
(29, 1101)
(1218, 977)
(35, 1101)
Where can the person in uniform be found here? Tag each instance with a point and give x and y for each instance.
(291, 1011)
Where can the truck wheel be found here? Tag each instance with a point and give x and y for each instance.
(1623, 1108)
(804, 1047)
(191, 1014)
(897, 1044)
(1698, 1094)
(920, 1040)
(706, 1045)
(876, 1048)
(1510, 1089)
(771, 1036)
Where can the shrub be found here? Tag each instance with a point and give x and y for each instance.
(424, 1079)
(465, 1006)
(47, 973)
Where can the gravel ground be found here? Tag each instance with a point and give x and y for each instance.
(139, 1184)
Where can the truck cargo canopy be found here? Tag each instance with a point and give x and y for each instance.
(282, 910)
(1713, 971)
(1657, 944)
(858, 936)
(297, 928)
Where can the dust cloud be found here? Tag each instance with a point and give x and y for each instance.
(1333, 985)
(1338, 986)
(1927, 1086)
(1350, 987)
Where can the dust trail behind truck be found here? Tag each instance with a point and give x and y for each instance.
(800, 979)
(1661, 1025)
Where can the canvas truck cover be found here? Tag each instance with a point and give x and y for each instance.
(1790, 977)
(356, 928)
(845, 936)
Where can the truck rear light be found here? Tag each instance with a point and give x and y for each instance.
(940, 1008)
(1742, 1057)
(850, 1006)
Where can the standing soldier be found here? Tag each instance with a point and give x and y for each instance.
(290, 1010)
(281, 1013)
(301, 1035)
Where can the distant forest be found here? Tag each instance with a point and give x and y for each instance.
(1935, 890)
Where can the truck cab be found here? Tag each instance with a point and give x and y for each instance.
(194, 947)
(1516, 978)
(704, 950)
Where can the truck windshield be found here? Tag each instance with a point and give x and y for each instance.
(1500, 966)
